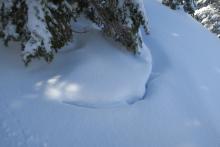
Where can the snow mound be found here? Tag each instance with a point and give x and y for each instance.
(91, 72)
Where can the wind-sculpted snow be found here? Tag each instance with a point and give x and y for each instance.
(93, 72)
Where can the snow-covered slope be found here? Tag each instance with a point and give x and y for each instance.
(91, 72)
(181, 108)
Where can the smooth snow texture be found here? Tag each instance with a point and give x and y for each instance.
(181, 108)
(91, 72)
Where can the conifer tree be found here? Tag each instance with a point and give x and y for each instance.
(208, 13)
(45, 26)
(188, 5)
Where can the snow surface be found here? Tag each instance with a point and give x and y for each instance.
(181, 107)
(91, 72)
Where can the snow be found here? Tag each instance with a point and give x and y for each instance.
(99, 74)
(180, 109)
(91, 72)
(10, 31)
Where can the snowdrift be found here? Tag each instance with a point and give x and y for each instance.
(91, 72)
